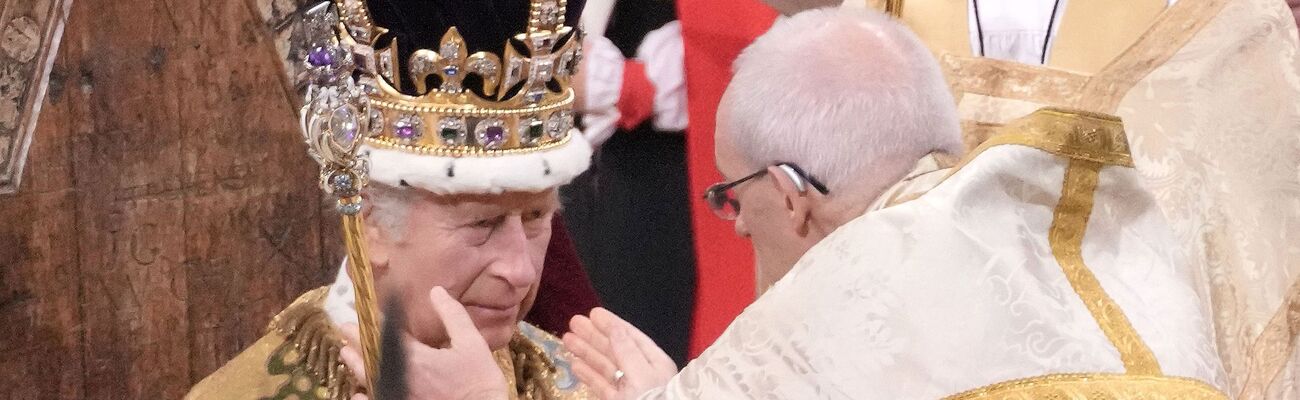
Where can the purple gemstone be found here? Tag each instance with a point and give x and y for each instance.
(495, 134)
(320, 57)
(405, 132)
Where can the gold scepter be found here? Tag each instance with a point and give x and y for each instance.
(334, 119)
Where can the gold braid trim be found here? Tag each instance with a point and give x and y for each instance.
(310, 357)
(310, 353)
(1273, 347)
(1069, 133)
(1095, 387)
(536, 375)
(894, 8)
(1069, 224)
(533, 370)
(1090, 141)
(1073, 134)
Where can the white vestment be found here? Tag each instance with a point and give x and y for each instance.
(1039, 267)
(1209, 91)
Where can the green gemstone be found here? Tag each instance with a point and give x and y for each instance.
(535, 130)
(449, 135)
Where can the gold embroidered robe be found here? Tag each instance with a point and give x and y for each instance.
(299, 359)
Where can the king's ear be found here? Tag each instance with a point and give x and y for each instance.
(376, 235)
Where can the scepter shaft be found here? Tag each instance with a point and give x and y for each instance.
(363, 282)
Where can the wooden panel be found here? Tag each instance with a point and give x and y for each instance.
(128, 169)
(40, 317)
(252, 238)
(29, 36)
(169, 209)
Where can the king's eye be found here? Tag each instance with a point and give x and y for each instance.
(489, 222)
(534, 215)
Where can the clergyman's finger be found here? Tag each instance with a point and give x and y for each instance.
(600, 362)
(595, 381)
(650, 349)
(460, 328)
(604, 320)
(610, 322)
(627, 355)
(583, 327)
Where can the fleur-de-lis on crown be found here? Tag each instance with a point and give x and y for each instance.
(450, 63)
(553, 51)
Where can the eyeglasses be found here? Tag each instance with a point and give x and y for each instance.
(723, 202)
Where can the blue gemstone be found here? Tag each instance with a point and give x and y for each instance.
(451, 70)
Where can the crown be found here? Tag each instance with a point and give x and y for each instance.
(460, 104)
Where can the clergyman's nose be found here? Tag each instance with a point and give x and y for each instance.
(742, 230)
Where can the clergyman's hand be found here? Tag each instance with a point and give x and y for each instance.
(615, 359)
(464, 370)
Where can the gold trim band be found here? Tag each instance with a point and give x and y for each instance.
(1273, 347)
(1069, 223)
(465, 151)
(1073, 134)
(472, 110)
(1095, 387)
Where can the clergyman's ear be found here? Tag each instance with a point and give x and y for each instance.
(794, 193)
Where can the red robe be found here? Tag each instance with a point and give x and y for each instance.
(714, 32)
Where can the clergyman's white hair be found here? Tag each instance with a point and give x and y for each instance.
(851, 96)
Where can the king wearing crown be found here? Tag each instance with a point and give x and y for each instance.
(443, 128)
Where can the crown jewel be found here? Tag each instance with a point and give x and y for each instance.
(460, 104)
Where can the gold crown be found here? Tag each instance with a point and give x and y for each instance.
(523, 101)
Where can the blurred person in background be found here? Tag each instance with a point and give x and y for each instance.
(630, 213)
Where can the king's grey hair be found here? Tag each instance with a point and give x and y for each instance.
(852, 96)
(390, 206)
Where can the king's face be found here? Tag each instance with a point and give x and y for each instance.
(486, 250)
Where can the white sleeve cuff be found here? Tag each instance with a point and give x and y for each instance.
(662, 53)
(603, 83)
